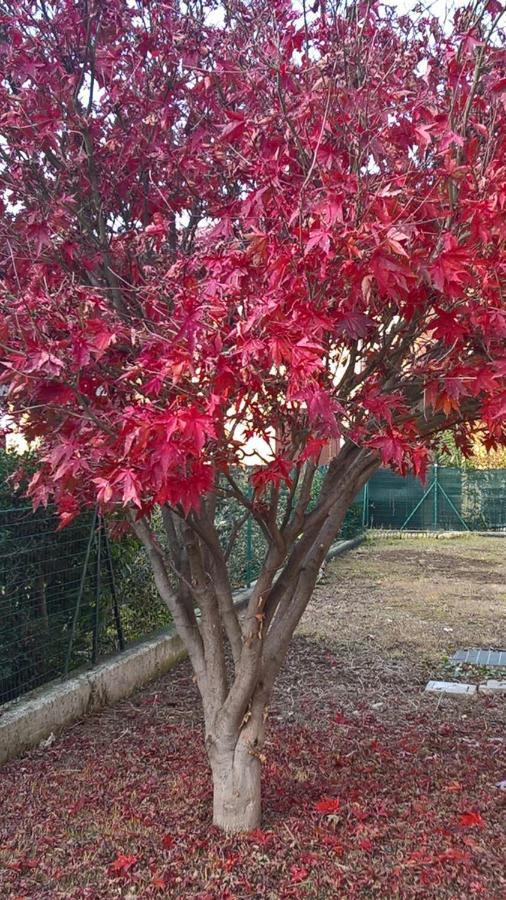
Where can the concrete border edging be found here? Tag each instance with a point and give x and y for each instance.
(396, 533)
(460, 689)
(27, 722)
(50, 709)
(343, 547)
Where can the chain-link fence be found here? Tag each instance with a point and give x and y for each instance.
(451, 500)
(55, 588)
(69, 597)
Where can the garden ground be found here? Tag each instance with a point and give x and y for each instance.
(371, 787)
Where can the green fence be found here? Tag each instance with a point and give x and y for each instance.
(53, 587)
(451, 500)
(69, 597)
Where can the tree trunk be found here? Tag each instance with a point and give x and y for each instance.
(236, 787)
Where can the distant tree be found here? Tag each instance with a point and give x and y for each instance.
(488, 459)
(476, 456)
(244, 219)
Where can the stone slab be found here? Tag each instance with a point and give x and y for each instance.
(453, 688)
(492, 686)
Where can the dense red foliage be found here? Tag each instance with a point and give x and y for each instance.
(236, 219)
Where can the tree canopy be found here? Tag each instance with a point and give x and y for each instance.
(236, 222)
(224, 221)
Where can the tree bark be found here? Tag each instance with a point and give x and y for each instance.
(236, 700)
(236, 771)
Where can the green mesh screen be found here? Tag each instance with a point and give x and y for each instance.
(451, 500)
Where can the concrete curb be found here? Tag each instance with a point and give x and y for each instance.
(49, 710)
(443, 535)
(343, 547)
(459, 689)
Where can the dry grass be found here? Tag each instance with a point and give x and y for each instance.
(414, 600)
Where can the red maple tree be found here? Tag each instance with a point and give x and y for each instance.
(230, 219)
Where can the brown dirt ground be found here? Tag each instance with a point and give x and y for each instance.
(390, 613)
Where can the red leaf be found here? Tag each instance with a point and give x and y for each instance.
(298, 874)
(38, 232)
(157, 228)
(319, 238)
(391, 448)
(423, 135)
(498, 86)
(312, 450)
(448, 138)
(472, 819)
(276, 473)
(366, 845)
(260, 837)
(453, 854)
(122, 864)
(352, 324)
(100, 336)
(328, 805)
(131, 488)
(234, 129)
(454, 787)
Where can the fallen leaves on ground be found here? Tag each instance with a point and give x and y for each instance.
(125, 810)
(122, 864)
(363, 800)
(471, 819)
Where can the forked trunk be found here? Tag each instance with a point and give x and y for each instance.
(236, 787)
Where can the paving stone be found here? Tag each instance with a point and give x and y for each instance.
(455, 688)
(492, 686)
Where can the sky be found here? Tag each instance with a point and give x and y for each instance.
(439, 8)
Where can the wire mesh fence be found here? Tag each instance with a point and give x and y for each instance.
(57, 598)
(69, 597)
(451, 500)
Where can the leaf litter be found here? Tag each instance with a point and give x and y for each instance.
(401, 800)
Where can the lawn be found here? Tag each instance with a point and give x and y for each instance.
(371, 787)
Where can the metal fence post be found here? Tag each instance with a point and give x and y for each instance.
(435, 497)
(365, 506)
(98, 589)
(80, 592)
(112, 582)
(418, 505)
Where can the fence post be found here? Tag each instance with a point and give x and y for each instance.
(365, 506)
(435, 498)
(418, 505)
(115, 605)
(98, 589)
(80, 593)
